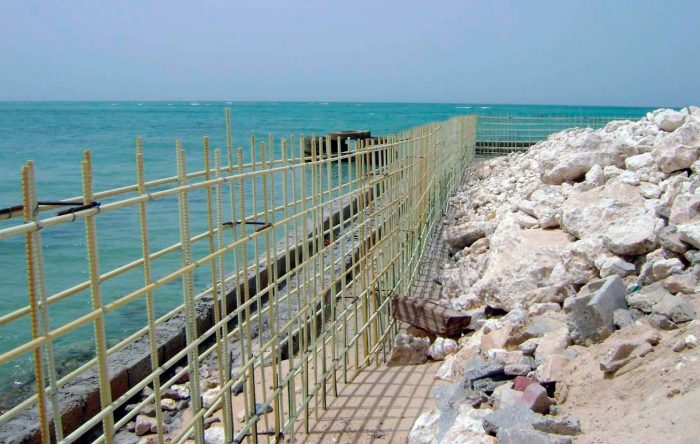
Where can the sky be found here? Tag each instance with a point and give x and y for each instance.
(625, 53)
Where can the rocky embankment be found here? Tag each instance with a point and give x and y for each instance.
(579, 263)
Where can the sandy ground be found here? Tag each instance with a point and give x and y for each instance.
(654, 399)
(380, 405)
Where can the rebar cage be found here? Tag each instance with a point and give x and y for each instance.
(277, 286)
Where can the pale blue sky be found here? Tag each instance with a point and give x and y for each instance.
(550, 52)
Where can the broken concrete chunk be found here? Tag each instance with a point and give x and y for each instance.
(590, 313)
(516, 416)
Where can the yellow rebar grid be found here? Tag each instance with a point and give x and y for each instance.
(341, 318)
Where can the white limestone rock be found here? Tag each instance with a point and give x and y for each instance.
(408, 350)
(649, 190)
(425, 428)
(214, 435)
(610, 265)
(210, 396)
(680, 283)
(468, 427)
(685, 208)
(442, 347)
(452, 367)
(519, 261)
(634, 236)
(669, 120)
(639, 161)
(675, 157)
(664, 268)
(690, 234)
(591, 213)
(595, 177)
(526, 221)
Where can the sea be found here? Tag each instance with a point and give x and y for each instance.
(55, 134)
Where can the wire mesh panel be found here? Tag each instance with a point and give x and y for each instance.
(502, 134)
(275, 285)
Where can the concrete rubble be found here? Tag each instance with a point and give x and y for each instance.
(555, 250)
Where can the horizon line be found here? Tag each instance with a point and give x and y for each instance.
(332, 101)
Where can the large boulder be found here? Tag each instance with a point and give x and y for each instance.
(669, 120)
(675, 157)
(634, 236)
(577, 151)
(520, 261)
(591, 213)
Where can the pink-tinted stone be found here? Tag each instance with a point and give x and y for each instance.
(535, 397)
(520, 383)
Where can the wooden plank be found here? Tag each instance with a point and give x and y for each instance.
(429, 316)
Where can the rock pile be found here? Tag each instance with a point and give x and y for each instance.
(589, 232)
(174, 404)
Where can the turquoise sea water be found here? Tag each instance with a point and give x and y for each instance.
(54, 135)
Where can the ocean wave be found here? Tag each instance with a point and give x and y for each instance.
(463, 107)
(194, 104)
(484, 107)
